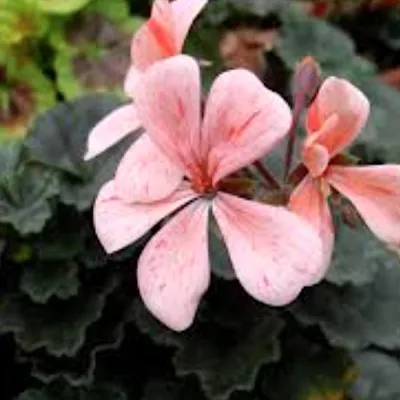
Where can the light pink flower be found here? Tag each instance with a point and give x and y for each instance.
(160, 37)
(334, 120)
(273, 251)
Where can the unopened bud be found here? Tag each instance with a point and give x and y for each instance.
(306, 81)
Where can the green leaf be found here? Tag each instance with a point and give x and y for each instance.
(41, 282)
(62, 391)
(60, 326)
(355, 317)
(10, 154)
(170, 390)
(226, 350)
(61, 7)
(24, 198)
(378, 378)
(358, 256)
(310, 373)
(50, 142)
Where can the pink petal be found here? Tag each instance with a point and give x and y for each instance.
(119, 224)
(155, 40)
(309, 202)
(132, 78)
(111, 130)
(274, 252)
(375, 192)
(173, 270)
(145, 174)
(185, 12)
(168, 104)
(337, 98)
(243, 121)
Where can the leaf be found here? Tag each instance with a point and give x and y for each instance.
(378, 378)
(236, 338)
(170, 390)
(64, 7)
(355, 317)
(24, 199)
(358, 256)
(10, 154)
(310, 373)
(62, 391)
(58, 327)
(43, 281)
(50, 142)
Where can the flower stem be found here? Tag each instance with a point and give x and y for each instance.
(269, 179)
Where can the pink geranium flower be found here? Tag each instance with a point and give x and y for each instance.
(274, 252)
(334, 120)
(160, 37)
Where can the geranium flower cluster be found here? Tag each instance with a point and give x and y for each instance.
(177, 168)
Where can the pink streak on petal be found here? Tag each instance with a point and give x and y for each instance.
(168, 104)
(375, 192)
(274, 252)
(155, 40)
(132, 78)
(185, 12)
(243, 121)
(173, 271)
(145, 174)
(349, 106)
(118, 224)
(308, 201)
(111, 130)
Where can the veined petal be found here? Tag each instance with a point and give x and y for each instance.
(375, 192)
(185, 12)
(118, 224)
(168, 104)
(274, 252)
(309, 202)
(145, 174)
(173, 270)
(242, 122)
(111, 130)
(132, 78)
(155, 40)
(349, 108)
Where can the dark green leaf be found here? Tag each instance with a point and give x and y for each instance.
(378, 378)
(42, 281)
(355, 317)
(24, 199)
(60, 326)
(170, 390)
(10, 154)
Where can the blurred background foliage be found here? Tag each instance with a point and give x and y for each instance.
(72, 326)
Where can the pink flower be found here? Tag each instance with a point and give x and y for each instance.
(160, 37)
(274, 252)
(334, 120)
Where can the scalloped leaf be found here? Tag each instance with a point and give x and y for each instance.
(10, 154)
(61, 7)
(358, 256)
(170, 390)
(378, 378)
(24, 198)
(50, 142)
(355, 317)
(43, 281)
(227, 349)
(59, 327)
(62, 391)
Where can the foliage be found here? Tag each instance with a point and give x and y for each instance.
(71, 321)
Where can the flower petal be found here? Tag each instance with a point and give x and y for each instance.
(145, 174)
(375, 192)
(173, 270)
(155, 40)
(111, 130)
(243, 121)
(308, 201)
(185, 12)
(168, 104)
(340, 99)
(274, 252)
(132, 78)
(119, 224)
